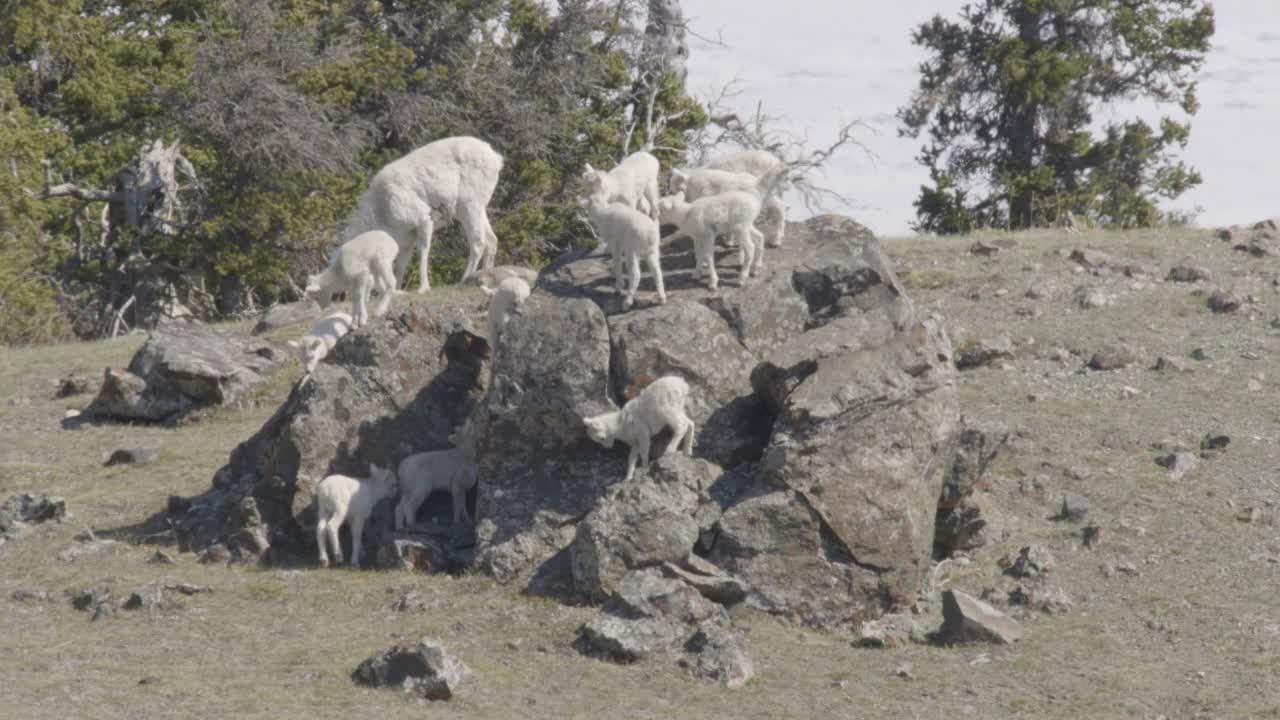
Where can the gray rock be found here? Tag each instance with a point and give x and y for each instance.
(983, 351)
(1222, 301)
(1088, 296)
(978, 445)
(1040, 596)
(423, 668)
(1258, 246)
(1178, 463)
(1075, 508)
(968, 619)
(409, 601)
(417, 552)
(1189, 273)
(96, 601)
(184, 366)
(706, 578)
(303, 314)
(1112, 357)
(1166, 363)
(1032, 561)
(960, 527)
(721, 656)
(647, 613)
(154, 596)
(73, 385)
(636, 524)
(889, 631)
(86, 549)
(984, 249)
(24, 595)
(1091, 259)
(132, 456)
(30, 509)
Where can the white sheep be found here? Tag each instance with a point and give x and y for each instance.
(732, 213)
(661, 404)
(630, 235)
(634, 182)
(491, 277)
(361, 265)
(728, 173)
(453, 178)
(320, 339)
(423, 473)
(504, 301)
(339, 499)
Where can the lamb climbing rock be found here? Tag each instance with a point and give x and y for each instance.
(184, 366)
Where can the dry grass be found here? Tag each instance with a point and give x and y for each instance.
(281, 644)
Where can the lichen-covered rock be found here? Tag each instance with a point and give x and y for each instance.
(400, 385)
(636, 524)
(29, 509)
(647, 613)
(302, 313)
(184, 366)
(968, 619)
(423, 668)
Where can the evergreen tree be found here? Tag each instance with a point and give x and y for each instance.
(1006, 100)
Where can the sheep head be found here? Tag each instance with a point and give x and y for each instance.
(601, 428)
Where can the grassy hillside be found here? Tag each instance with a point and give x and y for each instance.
(1193, 631)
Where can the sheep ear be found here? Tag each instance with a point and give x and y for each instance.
(373, 470)
(294, 344)
(589, 169)
(488, 291)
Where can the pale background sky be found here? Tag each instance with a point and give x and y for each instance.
(821, 62)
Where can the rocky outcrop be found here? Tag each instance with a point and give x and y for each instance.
(390, 389)
(423, 668)
(184, 366)
(826, 419)
(301, 313)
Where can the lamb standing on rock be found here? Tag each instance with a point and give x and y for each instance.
(634, 182)
(453, 178)
(727, 173)
(423, 473)
(661, 404)
(504, 302)
(340, 498)
(733, 214)
(631, 235)
(321, 338)
(361, 265)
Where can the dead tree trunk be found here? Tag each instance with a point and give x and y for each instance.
(663, 52)
(145, 202)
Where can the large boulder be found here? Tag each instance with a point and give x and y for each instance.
(395, 387)
(826, 420)
(184, 366)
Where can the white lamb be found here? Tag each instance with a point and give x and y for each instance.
(504, 302)
(490, 278)
(423, 473)
(634, 182)
(659, 405)
(732, 213)
(361, 265)
(453, 178)
(630, 235)
(346, 499)
(730, 173)
(320, 339)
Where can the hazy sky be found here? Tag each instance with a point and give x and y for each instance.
(820, 62)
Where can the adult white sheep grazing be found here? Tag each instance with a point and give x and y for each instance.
(732, 213)
(453, 178)
(320, 339)
(361, 265)
(423, 473)
(339, 499)
(634, 182)
(504, 301)
(729, 173)
(630, 235)
(659, 405)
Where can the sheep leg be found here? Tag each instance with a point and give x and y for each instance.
(357, 537)
(776, 211)
(424, 230)
(651, 196)
(459, 502)
(688, 435)
(321, 532)
(643, 447)
(655, 267)
(746, 254)
(633, 282)
(384, 282)
(491, 242)
(631, 463)
(709, 254)
(677, 434)
(360, 301)
(758, 238)
(335, 543)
